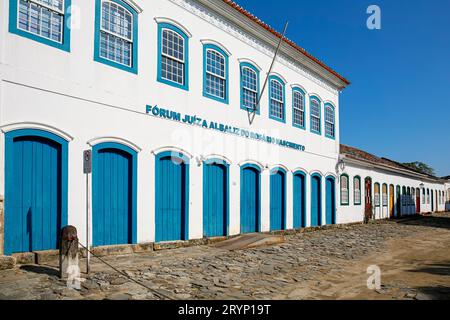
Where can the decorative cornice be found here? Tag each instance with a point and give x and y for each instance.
(194, 7)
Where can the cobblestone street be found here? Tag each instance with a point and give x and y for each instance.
(332, 263)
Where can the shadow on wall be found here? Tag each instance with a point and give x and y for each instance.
(433, 222)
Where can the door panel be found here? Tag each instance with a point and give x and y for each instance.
(171, 199)
(112, 200)
(250, 200)
(215, 200)
(277, 201)
(33, 209)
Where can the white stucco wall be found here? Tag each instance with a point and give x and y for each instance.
(355, 213)
(88, 100)
(71, 94)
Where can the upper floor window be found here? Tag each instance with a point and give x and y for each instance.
(298, 108)
(216, 73)
(116, 35)
(42, 20)
(344, 190)
(377, 194)
(173, 56)
(329, 121)
(357, 190)
(315, 115)
(276, 99)
(249, 87)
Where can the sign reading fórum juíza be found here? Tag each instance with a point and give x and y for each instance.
(195, 120)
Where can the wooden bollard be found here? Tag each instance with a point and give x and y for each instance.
(68, 256)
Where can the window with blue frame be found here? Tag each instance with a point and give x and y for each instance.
(329, 121)
(44, 21)
(298, 108)
(173, 56)
(116, 35)
(216, 73)
(276, 99)
(315, 115)
(249, 87)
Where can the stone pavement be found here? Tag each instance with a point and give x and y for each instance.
(291, 270)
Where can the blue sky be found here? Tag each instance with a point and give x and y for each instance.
(398, 105)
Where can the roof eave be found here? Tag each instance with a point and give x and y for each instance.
(232, 12)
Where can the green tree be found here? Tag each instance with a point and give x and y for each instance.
(421, 167)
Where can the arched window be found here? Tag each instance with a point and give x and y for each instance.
(357, 190)
(42, 20)
(377, 194)
(385, 195)
(428, 196)
(423, 196)
(173, 56)
(344, 190)
(276, 99)
(298, 108)
(249, 87)
(315, 114)
(216, 73)
(448, 195)
(330, 129)
(116, 35)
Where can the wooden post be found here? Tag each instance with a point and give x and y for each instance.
(68, 254)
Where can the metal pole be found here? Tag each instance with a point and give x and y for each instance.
(253, 113)
(88, 254)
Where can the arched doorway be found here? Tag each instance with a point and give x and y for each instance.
(35, 190)
(172, 197)
(316, 200)
(299, 200)
(250, 199)
(432, 201)
(215, 198)
(277, 199)
(391, 201)
(114, 194)
(368, 199)
(417, 200)
(330, 207)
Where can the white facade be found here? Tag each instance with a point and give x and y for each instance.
(402, 205)
(86, 102)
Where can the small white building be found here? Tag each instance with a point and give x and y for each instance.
(164, 94)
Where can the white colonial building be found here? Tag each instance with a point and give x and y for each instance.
(164, 93)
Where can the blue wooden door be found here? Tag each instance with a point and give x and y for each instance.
(330, 202)
(34, 184)
(171, 198)
(277, 200)
(250, 199)
(112, 197)
(299, 201)
(316, 201)
(215, 199)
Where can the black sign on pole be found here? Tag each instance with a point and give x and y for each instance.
(87, 161)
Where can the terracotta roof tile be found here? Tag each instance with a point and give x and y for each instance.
(361, 155)
(279, 35)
